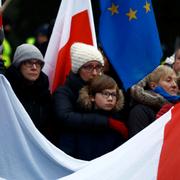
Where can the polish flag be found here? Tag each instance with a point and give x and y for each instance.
(152, 154)
(74, 23)
(169, 163)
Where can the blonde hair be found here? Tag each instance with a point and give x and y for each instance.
(159, 72)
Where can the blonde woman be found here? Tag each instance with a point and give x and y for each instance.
(161, 88)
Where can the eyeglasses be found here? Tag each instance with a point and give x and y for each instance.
(107, 94)
(30, 63)
(90, 68)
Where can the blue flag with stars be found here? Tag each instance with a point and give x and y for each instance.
(129, 38)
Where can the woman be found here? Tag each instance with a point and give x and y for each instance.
(157, 89)
(31, 86)
(73, 123)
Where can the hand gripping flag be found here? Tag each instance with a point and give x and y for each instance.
(129, 38)
(74, 23)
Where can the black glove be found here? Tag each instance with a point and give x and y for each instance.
(2, 67)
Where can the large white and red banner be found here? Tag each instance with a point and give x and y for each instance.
(74, 23)
(24, 152)
(153, 154)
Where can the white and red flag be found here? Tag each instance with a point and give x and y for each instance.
(74, 23)
(152, 154)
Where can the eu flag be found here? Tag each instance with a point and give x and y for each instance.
(129, 38)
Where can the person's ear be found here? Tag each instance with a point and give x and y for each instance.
(153, 85)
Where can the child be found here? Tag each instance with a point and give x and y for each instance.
(103, 95)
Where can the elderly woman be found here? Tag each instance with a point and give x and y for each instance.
(149, 95)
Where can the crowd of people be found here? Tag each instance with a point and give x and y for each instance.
(91, 114)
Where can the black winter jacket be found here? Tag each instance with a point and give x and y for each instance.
(140, 117)
(83, 135)
(2, 67)
(35, 97)
(144, 106)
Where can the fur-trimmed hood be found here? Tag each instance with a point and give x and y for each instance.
(85, 102)
(146, 96)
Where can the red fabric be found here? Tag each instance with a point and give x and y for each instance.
(80, 32)
(119, 126)
(164, 109)
(1, 21)
(169, 163)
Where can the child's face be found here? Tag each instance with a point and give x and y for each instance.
(106, 100)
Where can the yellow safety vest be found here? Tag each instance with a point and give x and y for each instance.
(31, 40)
(7, 51)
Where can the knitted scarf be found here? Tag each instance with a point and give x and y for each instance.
(166, 95)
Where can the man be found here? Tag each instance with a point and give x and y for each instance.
(31, 85)
(76, 126)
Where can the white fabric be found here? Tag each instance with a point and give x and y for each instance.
(25, 154)
(137, 159)
(170, 60)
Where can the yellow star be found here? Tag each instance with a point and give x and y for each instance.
(147, 7)
(114, 9)
(131, 14)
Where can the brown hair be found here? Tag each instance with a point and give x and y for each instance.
(100, 83)
(96, 85)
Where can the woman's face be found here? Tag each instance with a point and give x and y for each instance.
(31, 69)
(90, 70)
(106, 100)
(168, 83)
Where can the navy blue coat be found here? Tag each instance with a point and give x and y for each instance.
(82, 135)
